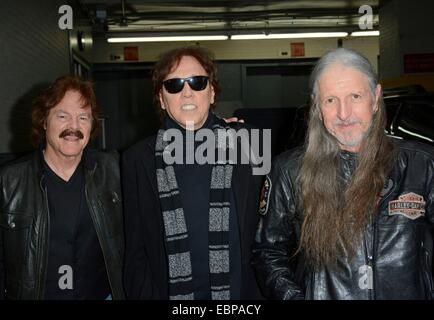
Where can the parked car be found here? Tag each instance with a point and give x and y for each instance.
(410, 115)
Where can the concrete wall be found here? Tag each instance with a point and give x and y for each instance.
(390, 49)
(33, 52)
(252, 74)
(239, 49)
(405, 28)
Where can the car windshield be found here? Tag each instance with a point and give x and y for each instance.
(417, 119)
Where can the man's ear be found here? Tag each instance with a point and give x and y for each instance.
(378, 92)
(312, 99)
(212, 95)
(160, 97)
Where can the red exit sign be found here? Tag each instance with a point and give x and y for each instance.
(419, 62)
(297, 49)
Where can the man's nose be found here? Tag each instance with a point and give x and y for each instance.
(74, 123)
(187, 91)
(344, 110)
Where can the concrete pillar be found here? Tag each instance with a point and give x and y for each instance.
(406, 27)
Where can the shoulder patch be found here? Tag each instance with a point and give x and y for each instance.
(410, 205)
(265, 196)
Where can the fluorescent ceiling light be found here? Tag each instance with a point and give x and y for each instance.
(289, 35)
(365, 33)
(160, 39)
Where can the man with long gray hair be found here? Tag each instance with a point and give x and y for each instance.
(350, 215)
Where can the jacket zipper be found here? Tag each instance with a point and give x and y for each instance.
(426, 272)
(371, 257)
(370, 261)
(43, 258)
(98, 233)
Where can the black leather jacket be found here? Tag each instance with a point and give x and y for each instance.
(397, 250)
(24, 222)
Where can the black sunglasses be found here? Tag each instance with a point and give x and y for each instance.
(175, 85)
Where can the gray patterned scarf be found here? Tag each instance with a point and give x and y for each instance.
(179, 260)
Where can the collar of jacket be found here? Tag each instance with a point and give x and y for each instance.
(347, 155)
(88, 160)
(346, 167)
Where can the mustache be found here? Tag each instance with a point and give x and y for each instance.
(348, 122)
(70, 132)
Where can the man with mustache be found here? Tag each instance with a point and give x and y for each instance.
(60, 212)
(350, 215)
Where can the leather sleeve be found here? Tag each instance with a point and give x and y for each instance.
(276, 239)
(430, 199)
(2, 268)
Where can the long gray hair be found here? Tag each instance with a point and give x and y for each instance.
(334, 219)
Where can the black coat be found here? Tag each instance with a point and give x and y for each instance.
(395, 247)
(24, 222)
(146, 266)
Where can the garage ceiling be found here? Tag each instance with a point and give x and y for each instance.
(219, 16)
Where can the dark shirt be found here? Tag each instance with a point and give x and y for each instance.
(76, 268)
(194, 186)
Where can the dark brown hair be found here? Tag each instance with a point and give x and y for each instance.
(52, 95)
(170, 60)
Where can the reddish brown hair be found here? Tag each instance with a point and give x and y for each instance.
(52, 95)
(170, 60)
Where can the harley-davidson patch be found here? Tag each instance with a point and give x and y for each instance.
(265, 196)
(410, 205)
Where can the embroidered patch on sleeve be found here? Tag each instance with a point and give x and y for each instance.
(265, 196)
(410, 205)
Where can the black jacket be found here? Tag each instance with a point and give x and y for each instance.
(24, 222)
(146, 266)
(399, 250)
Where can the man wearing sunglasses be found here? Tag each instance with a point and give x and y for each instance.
(189, 226)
